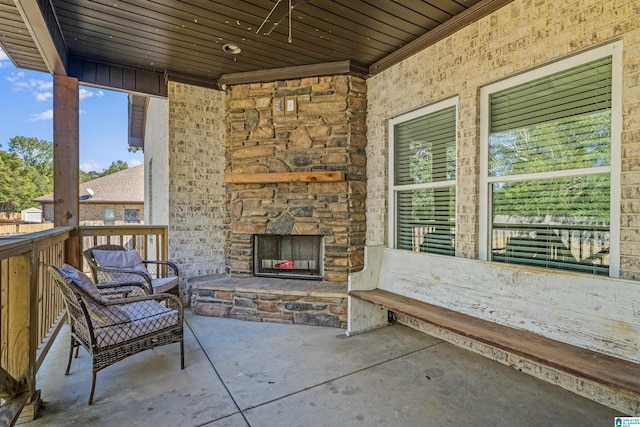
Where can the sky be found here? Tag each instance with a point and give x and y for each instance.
(26, 109)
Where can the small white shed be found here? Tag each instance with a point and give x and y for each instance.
(31, 215)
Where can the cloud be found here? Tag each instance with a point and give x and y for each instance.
(43, 96)
(134, 162)
(85, 93)
(91, 165)
(45, 115)
(40, 89)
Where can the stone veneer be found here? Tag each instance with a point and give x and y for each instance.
(303, 302)
(326, 132)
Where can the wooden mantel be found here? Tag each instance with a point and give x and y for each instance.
(275, 177)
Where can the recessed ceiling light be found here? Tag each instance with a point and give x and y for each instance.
(231, 48)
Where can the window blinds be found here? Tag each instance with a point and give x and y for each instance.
(559, 122)
(425, 148)
(424, 155)
(579, 90)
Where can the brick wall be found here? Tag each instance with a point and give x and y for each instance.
(93, 212)
(326, 132)
(196, 192)
(520, 36)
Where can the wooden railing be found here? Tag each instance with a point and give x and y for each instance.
(31, 314)
(31, 309)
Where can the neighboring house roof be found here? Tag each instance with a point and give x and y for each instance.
(126, 186)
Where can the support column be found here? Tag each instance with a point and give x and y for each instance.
(66, 161)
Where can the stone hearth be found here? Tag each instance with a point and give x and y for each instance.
(262, 299)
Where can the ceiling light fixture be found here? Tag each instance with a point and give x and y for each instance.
(231, 48)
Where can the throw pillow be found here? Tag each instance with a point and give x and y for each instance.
(108, 315)
(81, 280)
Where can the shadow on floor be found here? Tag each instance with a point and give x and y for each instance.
(267, 374)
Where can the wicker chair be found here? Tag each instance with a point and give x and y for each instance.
(112, 329)
(114, 264)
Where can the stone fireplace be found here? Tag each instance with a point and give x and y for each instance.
(296, 167)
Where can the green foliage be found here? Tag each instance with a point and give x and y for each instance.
(114, 167)
(34, 152)
(88, 176)
(17, 187)
(26, 172)
(576, 142)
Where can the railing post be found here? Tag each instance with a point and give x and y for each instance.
(21, 317)
(18, 354)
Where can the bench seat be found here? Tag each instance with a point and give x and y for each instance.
(578, 331)
(610, 371)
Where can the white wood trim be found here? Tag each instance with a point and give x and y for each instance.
(484, 194)
(616, 158)
(601, 170)
(438, 184)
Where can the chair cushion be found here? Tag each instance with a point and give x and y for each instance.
(119, 259)
(146, 317)
(164, 284)
(103, 315)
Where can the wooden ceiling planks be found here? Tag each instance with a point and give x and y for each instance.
(185, 38)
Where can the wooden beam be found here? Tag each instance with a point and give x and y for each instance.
(40, 19)
(132, 80)
(275, 177)
(66, 161)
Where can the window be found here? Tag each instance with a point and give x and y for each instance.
(550, 166)
(132, 216)
(422, 170)
(109, 216)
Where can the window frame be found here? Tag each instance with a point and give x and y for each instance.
(124, 215)
(393, 189)
(485, 221)
(104, 217)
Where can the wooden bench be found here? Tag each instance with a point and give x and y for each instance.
(496, 305)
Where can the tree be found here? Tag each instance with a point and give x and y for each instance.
(116, 166)
(34, 152)
(572, 143)
(26, 172)
(17, 186)
(37, 156)
(88, 176)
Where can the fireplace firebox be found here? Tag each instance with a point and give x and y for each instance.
(292, 256)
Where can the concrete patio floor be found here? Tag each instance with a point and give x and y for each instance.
(242, 373)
